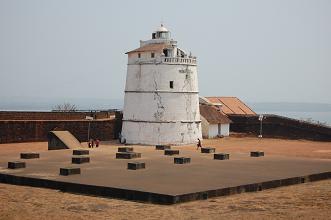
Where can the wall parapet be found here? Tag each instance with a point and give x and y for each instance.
(280, 127)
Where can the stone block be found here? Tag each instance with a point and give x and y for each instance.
(171, 152)
(16, 165)
(80, 159)
(125, 149)
(29, 155)
(257, 153)
(66, 171)
(221, 156)
(80, 152)
(127, 155)
(207, 150)
(182, 160)
(162, 147)
(136, 166)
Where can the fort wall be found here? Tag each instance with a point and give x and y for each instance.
(275, 126)
(34, 126)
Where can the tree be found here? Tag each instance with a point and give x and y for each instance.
(65, 107)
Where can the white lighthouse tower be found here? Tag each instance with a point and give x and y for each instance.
(161, 104)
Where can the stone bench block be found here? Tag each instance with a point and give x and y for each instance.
(207, 150)
(16, 165)
(257, 154)
(182, 160)
(127, 155)
(162, 147)
(29, 155)
(221, 156)
(66, 171)
(80, 152)
(171, 152)
(125, 149)
(80, 159)
(136, 166)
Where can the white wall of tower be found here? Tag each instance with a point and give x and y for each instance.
(155, 113)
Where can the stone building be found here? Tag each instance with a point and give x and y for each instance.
(214, 122)
(161, 103)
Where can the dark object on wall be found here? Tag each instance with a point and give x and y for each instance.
(221, 156)
(182, 160)
(207, 150)
(16, 165)
(125, 149)
(66, 171)
(257, 154)
(136, 165)
(80, 159)
(29, 155)
(127, 155)
(162, 147)
(80, 152)
(171, 152)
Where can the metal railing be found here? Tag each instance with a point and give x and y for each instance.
(179, 60)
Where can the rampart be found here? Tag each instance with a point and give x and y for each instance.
(280, 127)
(34, 126)
(18, 115)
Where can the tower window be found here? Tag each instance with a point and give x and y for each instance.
(139, 55)
(171, 84)
(152, 55)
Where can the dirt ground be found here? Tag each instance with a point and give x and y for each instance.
(304, 201)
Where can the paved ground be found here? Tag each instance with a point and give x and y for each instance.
(162, 175)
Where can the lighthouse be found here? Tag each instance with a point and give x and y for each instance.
(161, 103)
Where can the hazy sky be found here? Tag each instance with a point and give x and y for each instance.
(257, 50)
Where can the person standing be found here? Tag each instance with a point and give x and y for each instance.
(199, 144)
(97, 142)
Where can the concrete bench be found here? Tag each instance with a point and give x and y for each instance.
(162, 147)
(207, 150)
(171, 152)
(136, 165)
(182, 160)
(29, 155)
(16, 165)
(66, 171)
(80, 152)
(127, 155)
(257, 154)
(221, 156)
(125, 149)
(80, 159)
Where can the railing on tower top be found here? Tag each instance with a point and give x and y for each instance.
(179, 60)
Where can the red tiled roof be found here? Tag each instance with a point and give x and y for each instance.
(149, 47)
(232, 105)
(213, 116)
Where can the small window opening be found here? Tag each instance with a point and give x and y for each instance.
(152, 55)
(139, 55)
(171, 84)
(165, 52)
(153, 35)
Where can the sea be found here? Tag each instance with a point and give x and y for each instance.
(311, 112)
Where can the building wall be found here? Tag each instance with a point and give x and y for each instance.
(204, 127)
(28, 131)
(213, 130)
(225, 129)
(150, 105)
